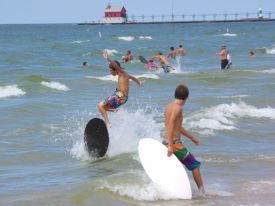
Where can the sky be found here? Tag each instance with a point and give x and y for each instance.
(80, 11)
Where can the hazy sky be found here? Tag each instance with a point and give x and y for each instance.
(78, 11)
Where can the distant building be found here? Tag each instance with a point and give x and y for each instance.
(114, 15)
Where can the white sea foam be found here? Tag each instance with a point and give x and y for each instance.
(145, 37)
(268, 71)
(104, 78)
(127, 129)
(148, 76)
(270, 51)
(225, 116)
(227, 35)
(80, 41)
(234, 96)
(111, 51)
(142, 192)
(55, 85)
(10, 90)
(126, 38)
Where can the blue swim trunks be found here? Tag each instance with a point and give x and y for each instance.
(184, 156)
(117, 99)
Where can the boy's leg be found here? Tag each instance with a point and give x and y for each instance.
(197, 177)
(103, 111)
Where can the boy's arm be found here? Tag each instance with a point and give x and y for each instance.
(113, 63)
(190, 136)
(136, 80)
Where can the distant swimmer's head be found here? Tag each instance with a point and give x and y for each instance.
(85, 64)
(172, 48)
(160, 53)
(180, 46)
(181, 92)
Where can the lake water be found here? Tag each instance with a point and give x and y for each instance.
(47, 97)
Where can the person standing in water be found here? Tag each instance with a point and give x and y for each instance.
(128, 57)
(172, 53)
(173, 129)
(223, 57)
(120, 95)
(181, 51)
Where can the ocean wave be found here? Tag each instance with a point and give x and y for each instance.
(10, 90)
(126, 38)
(145, 37)
(79, 41)
(104, 78)
(268, 71)
(224, 116)
(55, 85)
(111, 51)
(270, 51)
(148, 76)
(266, 50)
(227, 34)
(142, 121)
(136, 185)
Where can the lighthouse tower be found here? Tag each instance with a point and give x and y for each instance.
(114, 15)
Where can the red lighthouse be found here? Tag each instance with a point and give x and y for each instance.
(114, 14)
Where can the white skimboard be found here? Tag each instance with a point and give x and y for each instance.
(166, 172)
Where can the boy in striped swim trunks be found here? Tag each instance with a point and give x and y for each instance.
(120, 96)
(173, 130)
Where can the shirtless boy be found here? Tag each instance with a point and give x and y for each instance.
(173, 130)
(163, 62)
(120, 95)
(128, 57)
(172, 53)
(181, 51)
(223, 57)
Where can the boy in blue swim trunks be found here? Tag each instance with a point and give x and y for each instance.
(173, 130)
(120, 96)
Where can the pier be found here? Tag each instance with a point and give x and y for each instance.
(194, 18)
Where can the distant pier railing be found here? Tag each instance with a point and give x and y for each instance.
(193, 18)
(200, 17)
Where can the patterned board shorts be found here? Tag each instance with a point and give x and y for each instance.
(117, 99)
(184, 156)
(166, 68)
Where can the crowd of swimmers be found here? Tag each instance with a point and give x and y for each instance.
(168, 62)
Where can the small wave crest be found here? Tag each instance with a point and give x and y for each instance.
(227, 35)
(79, 41)
(270, 51)
(145, 37)
(126, 38)
(104, 78)
(10, 90)
(111, 52)
(55, 85)
(224, 116)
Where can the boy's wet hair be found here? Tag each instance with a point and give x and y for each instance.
(182, 92)
(111, 67)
